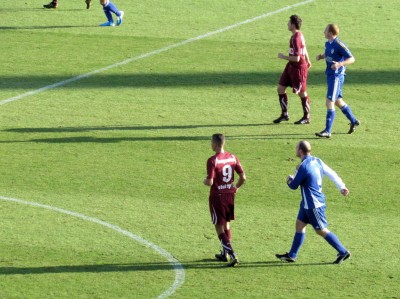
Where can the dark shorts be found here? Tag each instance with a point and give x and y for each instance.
(222, 207)
(316, 217)
(295, 77)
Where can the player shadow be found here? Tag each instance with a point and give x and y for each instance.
(135, 267)
(89, 139)
(41, 27)
(127, 128)
(168, 80)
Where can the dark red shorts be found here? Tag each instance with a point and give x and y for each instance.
(295, 77)
(222, 207)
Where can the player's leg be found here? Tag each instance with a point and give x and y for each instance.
(88, 3)
(299, 80)
(320, 224)
(305, 103)
(284, 82)
(331, 96)
(298, 239)
(228, 231)
(107, 12)
(52, 4)
(109, 7)
(348, 113)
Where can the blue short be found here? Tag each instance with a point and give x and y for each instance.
(316, 217)
(335, 85)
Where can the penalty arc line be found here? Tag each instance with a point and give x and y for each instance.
(152, 53)
(179, 270)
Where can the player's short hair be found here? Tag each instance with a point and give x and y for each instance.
(333, 28)
(296, 21)
(218, 139)
(304, 146)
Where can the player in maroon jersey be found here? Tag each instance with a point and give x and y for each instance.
(220, 177)
(295, 73)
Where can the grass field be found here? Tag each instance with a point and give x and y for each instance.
(128, 146)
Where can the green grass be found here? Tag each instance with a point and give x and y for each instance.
(129, 146)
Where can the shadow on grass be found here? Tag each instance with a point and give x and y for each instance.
(134, 267)
(89, 139)
(165, 80)
(40, 27)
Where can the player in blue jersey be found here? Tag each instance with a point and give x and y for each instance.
(337, 57)
(308, 177)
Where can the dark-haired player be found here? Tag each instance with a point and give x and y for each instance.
(220, 177)
(295, 73)
(308, 177)
(337, 57)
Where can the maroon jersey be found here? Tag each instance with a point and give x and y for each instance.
(298, 48)
(221, 168)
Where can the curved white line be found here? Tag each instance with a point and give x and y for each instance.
(161, 50)
(179, 270)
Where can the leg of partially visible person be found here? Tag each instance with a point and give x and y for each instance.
(88, 3)
(108, 8)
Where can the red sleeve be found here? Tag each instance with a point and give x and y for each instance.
(210, 168)
(297, 45)
(238, 166)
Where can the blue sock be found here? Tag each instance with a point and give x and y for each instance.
(333, 240)
(108, 14)
(298, 240)
(330, 118)
(349, 114)
(111, 7)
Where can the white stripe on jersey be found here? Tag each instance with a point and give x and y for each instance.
(224, 161)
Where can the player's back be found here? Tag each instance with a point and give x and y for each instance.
(222, 166)
(312, 185)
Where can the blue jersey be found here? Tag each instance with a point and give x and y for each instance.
(309, 178)
(336, 51)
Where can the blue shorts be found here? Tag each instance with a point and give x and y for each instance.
(316, 217)
(335, 85)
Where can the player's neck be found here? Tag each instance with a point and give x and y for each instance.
(219, 151)
(294, 31)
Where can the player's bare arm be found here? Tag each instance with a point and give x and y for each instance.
(336, 65)
(289, 58)
(241, 180)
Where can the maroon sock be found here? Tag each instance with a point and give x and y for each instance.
(226, 245)
(284, 102)
(305, 102)
(228, 233)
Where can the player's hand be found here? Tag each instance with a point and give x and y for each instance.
(335, 65)
(345, 191)
(309, 64)
(281, 56)
(289, 179)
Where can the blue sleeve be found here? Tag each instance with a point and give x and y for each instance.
(343, 50)
(298, 178)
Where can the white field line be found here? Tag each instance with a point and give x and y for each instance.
(179, 270)
(164, 49)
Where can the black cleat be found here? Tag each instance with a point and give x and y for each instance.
(51, 5)
(281, 118)
(341, 258)
(302, 121)
(323, 134)
(353, 126)
(234, 262)
(285, 257)
(221, 257)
